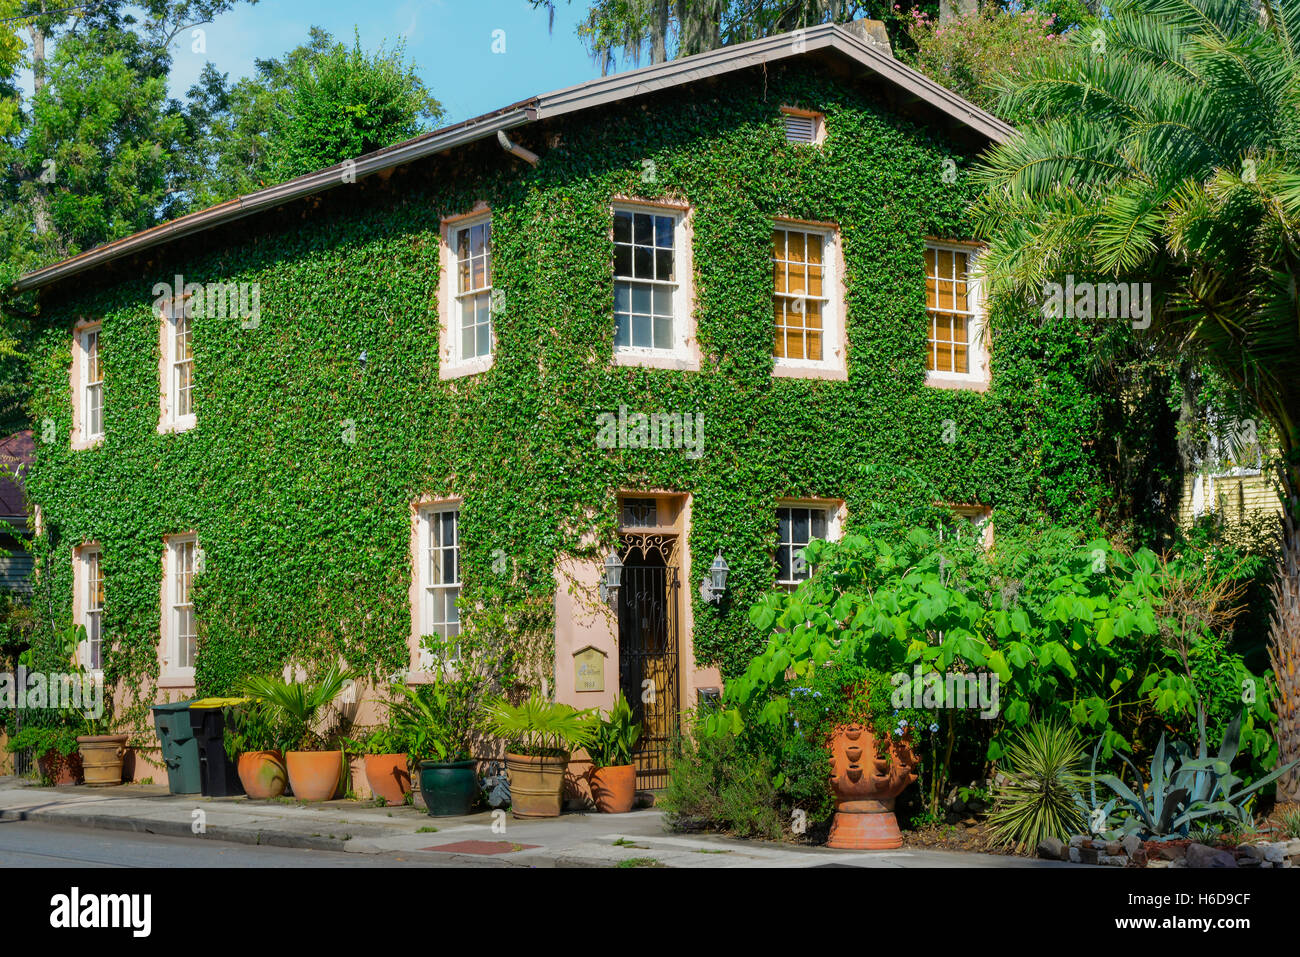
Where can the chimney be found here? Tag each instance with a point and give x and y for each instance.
(870, 32)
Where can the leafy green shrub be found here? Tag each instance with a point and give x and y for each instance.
(718, 783)
(614, 736)
(1041, 796)
(252, 726)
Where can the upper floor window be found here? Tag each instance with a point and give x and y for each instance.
(89, 587)
(955, 353)
(474, 290)
(969, 523)
(88, 387)
(652, 325)
(177, 370)
(180, 633)
(798, 523)
(439, 543)
(808, 309)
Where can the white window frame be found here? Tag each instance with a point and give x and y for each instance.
(980, 517)
(832, 364)
(834, 512)
(682, 353)
(83, 335)
(173, 605)
(89, 607)
(169, 419)
(459, 296)
(429, 591)
(977, 353)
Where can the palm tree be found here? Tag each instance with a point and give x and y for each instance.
(1166, 149)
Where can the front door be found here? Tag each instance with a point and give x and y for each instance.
(647, 657)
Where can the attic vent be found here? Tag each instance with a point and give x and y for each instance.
(802, 126)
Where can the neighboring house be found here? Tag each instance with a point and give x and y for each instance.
(1229, 478)
(15, 530)
(532, 375)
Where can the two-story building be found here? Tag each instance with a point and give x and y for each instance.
(522, 381)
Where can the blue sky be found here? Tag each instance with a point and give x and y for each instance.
(450, 42)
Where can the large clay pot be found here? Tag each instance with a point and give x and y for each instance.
(389, 777)
(865, 786)
(262, 774)
(450, 788)
(61, 769)
(101, 759)
(536, 784)
(314, 775)
(614, 789)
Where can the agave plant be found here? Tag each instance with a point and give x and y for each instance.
(1098, 817)
(1041, 797)
(298, 704)
(614, 736)
(1184, 789)
(540, 727)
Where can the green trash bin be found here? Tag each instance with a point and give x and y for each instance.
(180, 750)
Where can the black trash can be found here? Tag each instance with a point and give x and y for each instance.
(217, 774)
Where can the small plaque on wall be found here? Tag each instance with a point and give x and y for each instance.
(589, 669)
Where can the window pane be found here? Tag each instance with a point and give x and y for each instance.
(664, 232)
(622, 227)
(643, 229)
(623, 260)
(643, 262)
(799, 526)
(663, 329)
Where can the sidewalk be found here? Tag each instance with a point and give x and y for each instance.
(573, 840)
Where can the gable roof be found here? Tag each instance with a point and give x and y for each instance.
(845, 41)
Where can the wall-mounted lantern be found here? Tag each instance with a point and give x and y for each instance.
(713, 586)
(613, 578)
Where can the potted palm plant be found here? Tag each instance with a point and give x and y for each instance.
(438, 736)
(253, 740)
(539, 736)
(312, 759)
(613, 775)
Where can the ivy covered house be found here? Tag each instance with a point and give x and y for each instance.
(520, 381)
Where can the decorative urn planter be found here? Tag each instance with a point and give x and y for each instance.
(101, 758)
(262, 774)
(865, 786)
(614, 788)
(389, 777)
(450, 788)
(314, 775)
(536, 784)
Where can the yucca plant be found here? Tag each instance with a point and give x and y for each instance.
(298, 704)
(540, 727)
(1041, 796)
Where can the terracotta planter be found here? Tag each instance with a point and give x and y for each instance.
(262, 774)
(314, 775)
(536, 784)
(389, 777)
(101, 759)
(62, 769)
(865, 786)
(614, 789)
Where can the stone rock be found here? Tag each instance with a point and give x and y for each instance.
(1076, 855)
(1132, 844)
(1139, 856)
(1113, 848)
(1293, 847)
(1159, 862)
(1199, 855)
(1254, 852)
(1088, 855)
(1171, 852)
(1078, 839)
(1274, 853)
(1113, 860)
(1053, 849)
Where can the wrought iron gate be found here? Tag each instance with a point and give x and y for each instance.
(647, 659)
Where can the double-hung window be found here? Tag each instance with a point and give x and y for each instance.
(90, 611)
(87, 387)
(180, 631)
(653, 321)
(177, 370)
(955, 352)
(474, 290)
(806, 302)
(440, 577)
(797, 525)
